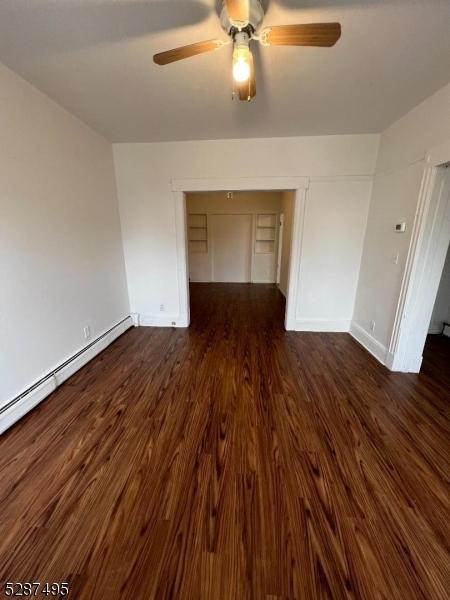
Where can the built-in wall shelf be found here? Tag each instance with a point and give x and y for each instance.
(266, 231)
(198, 233)
(265, 234)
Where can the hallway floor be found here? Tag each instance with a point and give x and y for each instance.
(232, 460)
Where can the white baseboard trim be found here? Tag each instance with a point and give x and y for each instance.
(372, 345)
(263, 281)
(436, 327)
(281, 290)
(18, 407)
(163, 320)
(415, 364)
(390, 361)
(323, 325)
(396, 363)
(200, 281)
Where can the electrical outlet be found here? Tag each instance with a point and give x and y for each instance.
(372, 325)
(161, 308)
(87, 332)
(395, 259)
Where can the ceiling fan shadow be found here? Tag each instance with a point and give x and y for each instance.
(261, 74)
(62, 26)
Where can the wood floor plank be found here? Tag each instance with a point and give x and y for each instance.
(233, 460)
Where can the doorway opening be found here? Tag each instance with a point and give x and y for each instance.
(239, 238)
(436, 353)
(297, 185)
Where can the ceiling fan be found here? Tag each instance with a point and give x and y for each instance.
(241, 20)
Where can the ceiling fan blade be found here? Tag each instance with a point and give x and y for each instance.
(164, 58)
(238, 10)
(307, 34)
(247, 89)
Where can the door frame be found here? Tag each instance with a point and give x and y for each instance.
(279, 245)
(423, 269)
(182, 186)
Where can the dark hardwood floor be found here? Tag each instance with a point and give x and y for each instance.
(232, 460)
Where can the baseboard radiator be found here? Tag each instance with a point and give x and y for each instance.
(16, 408)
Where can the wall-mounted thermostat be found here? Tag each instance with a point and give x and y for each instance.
(400, 227)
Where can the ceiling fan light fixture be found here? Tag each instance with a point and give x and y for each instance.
(241, 65)
(241, 58)
(241, 21)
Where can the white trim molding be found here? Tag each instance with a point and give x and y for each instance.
(179, 189)
(422, 273)
(366, 340)
(417, 236)
(439, 155)
(238, 184)
(338, 178)
(20, 406)
(298, 222)
(184, 316)
(281, 290)
(162, 321)
(323, 325)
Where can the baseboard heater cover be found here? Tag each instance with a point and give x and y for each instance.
(16, 408)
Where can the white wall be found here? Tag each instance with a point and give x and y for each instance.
(399, 171)
(61, 258)
(287, 208)
(263, 266)
(333, 236)
(441, 310)
(144, 173)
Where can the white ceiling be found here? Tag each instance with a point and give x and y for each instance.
(94, 57)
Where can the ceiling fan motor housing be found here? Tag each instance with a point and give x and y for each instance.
(241, 39)
(256, 16)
